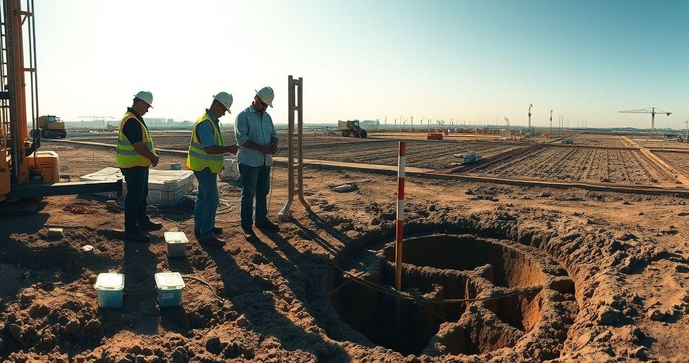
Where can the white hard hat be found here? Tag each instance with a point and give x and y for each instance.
(225, 99)
(146, 97)
(266, 95)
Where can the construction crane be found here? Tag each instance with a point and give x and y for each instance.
(96, 118)
(507, 122)
(551, 121)
(653, 111)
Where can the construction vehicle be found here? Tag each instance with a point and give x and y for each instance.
(25, 172)
(351, 128)
(469, 157)
(51, 127)
(434, 136)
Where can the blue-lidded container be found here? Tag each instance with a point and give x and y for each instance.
(109, 286)
(170, 286)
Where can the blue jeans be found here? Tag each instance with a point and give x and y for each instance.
(255, 184)
(135, 201)
(207, 201)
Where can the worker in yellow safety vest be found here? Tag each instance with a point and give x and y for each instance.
(205, 158)
(135, 154)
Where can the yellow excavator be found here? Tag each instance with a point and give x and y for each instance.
(25, 172)
(51, 127)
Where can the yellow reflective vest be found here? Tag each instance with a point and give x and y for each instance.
(198, 159)
(127, 156)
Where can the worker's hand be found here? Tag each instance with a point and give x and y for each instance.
(265, 149)
(154, 161)
(273, 147)
(232, 149)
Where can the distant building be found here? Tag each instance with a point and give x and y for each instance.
(369, 123)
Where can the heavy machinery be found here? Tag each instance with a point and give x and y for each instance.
(25, 172)
(469, 157)
(351, 128)
(50, 127)
(653, 111)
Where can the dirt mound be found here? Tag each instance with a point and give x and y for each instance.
(593, 280)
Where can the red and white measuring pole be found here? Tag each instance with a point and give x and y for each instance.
(399, 223)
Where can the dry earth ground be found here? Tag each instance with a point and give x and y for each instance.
(272, 300)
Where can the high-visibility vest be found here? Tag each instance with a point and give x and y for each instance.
(198, 159)
(127, 156)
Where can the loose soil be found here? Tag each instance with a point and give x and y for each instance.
(622, 167)
(596, 276)
(598, 140)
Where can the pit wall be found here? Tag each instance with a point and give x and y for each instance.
(454, 267)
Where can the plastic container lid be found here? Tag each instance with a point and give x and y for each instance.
(109, 281)
(176, 237)
(169, 281)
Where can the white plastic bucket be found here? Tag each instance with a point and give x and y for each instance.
(170, 286)
(230, 170)
(176, 243)
(109, 287)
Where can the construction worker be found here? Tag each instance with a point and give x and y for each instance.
(258, 141)
(205, 158)
(135, 154)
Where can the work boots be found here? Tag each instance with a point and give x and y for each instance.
(212, 241)
(216, 230)
(249, 235)
(138, 236)
(150, 225)
(266, 224)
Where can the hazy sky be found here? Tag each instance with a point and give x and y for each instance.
(464, 60)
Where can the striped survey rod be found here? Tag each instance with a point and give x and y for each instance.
(399, 223)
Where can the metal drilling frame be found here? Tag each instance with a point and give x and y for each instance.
(295, 105)
(19, 177)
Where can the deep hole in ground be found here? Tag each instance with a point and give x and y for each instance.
(443, 267)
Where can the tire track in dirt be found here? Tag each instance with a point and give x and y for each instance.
(503, 165)
(561, 168)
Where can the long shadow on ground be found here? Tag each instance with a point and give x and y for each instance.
(247, 294)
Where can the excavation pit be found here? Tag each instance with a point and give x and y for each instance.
(461, 294)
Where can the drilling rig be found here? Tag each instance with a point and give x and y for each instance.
(25, 172)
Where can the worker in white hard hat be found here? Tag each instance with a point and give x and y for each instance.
(258, 141)
(205, 158)
(135, 154)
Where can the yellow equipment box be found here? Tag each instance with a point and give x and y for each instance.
(45, 163)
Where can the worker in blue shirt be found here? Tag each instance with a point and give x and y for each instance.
(258, 141)
(205, 158)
